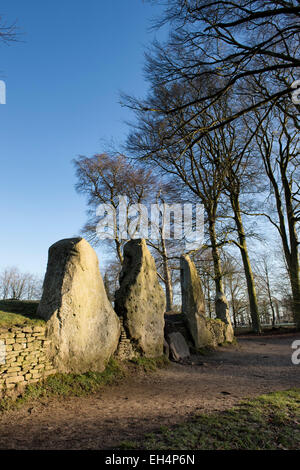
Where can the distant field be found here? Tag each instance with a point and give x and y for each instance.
(19, 312)
(280, 328)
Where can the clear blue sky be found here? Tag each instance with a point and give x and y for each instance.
(63, 82)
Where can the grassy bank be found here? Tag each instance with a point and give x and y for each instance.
(18, 313)
(271, 421)
(67, 385)
(8, 320)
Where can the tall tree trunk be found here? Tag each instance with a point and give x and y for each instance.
(269, 293)
(232, 303)
(119, 250)
(209, 298)
(288, 237)
(220, 301)
(167, 277)
(235, 204)
(295, 286)
(293, 263)
(277, 311)
(216, 258)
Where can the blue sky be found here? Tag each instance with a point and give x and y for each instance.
(63, 82)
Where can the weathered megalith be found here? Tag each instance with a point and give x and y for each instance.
(222, 308)
(205, 331)
(140, 300)
(82, 325)
(178, 346)
(193, 304)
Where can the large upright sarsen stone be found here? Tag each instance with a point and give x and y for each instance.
(222, 308)
(206, 332)
(82, 325)
(140, 301)
(193, 304)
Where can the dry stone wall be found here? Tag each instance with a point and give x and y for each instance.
(23, 358)
(125, 350)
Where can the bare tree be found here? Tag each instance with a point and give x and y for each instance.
(204, 264)
(278, 146)
(13, 283)
(165, 249)
(17, 285)
(221, 44)
(268, 288)
(235, 288)
(103, 178)
(216, 55)
(111, 278)
(200, 171)
(6, 280)
(7, 31)
(34, 287)
(242, 179)
(219, 164)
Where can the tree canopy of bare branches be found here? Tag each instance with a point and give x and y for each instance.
(103, 178)
(216, 47)
(17, 285)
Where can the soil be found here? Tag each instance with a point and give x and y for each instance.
(168, 396)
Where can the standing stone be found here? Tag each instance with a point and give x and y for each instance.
(206, 332)
(193, 304)
(81, 323)
(222, 308)
(140, 301)
(178, 346)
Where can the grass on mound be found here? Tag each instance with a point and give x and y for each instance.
(269, 422)
(19, 313)
(8, 320)
(78, 385)
(150, 364)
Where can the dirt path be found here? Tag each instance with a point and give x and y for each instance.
(145, 403)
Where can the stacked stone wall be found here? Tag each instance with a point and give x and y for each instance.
(23, 357)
